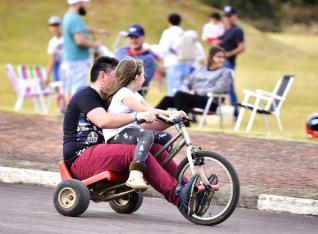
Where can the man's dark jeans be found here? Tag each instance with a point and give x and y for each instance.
(231, 64)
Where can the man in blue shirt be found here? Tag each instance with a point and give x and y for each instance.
(76, 48)
(232, 42)
(136, 35)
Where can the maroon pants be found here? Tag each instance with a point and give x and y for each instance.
(117, 158)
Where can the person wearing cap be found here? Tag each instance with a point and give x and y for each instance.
(233, 43)
(76, 48)
(137, 50)
(55, 52)
(55, 49)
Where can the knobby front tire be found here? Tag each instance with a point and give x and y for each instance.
(225, 199)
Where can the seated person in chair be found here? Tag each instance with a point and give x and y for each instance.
(211, 78)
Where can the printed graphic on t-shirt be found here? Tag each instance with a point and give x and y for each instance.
(92, 138)
(87, 133)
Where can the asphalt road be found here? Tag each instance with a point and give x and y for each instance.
(29, 209)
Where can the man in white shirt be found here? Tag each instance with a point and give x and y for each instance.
(168, 43)
(55, 52)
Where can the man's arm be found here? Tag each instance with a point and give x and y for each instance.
(99, 31)
(102, 119)
(80, 40)
(164, 43)
(239, 49)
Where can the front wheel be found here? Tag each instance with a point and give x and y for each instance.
(223, 201)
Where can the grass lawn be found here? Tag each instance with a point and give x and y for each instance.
(23, 39)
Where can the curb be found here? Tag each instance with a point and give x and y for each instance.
(287, 204)
(265, 202)
(19, 175)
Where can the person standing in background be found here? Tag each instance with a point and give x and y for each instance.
(213, 29)
(233, 43)
(76, 48)
(55, 52)
(168, 43)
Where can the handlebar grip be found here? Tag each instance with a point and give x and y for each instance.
(163, 118)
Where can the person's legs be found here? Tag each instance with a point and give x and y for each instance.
(143, 139)
(186, 101)
(165, 103)
(117, 158)
(175, 76)
(233, 97)
(79, 78)
(103, 157)
(56, 70)
(74, 77)
(171, 80)
(66, 90)
(170, 167)
(161, 137)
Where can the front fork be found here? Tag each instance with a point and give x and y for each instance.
(196, 162)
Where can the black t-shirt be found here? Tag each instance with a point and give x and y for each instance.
(231, 38)
(79, 132)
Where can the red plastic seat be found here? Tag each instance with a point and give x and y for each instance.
(108, 175)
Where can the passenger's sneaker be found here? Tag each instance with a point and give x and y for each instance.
(136, 181)
(187, 196)
(204, 198)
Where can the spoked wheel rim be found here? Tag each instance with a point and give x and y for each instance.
(67, 197)
(216, 207)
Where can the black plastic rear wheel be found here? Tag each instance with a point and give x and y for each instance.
(127, 204)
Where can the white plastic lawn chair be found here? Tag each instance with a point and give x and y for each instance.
(266, 104)
(27, 86)
(206, 111)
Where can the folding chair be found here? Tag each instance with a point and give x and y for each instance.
(266, 104)
(27, 86)
(118, 41)
(219, 98)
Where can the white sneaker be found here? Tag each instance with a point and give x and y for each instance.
(136, 181)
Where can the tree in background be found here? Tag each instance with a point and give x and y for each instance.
(272, 15)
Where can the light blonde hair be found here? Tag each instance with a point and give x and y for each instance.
(125, 72)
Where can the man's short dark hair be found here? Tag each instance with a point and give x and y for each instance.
(216, 16)
(174, 19)
(103, 63)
